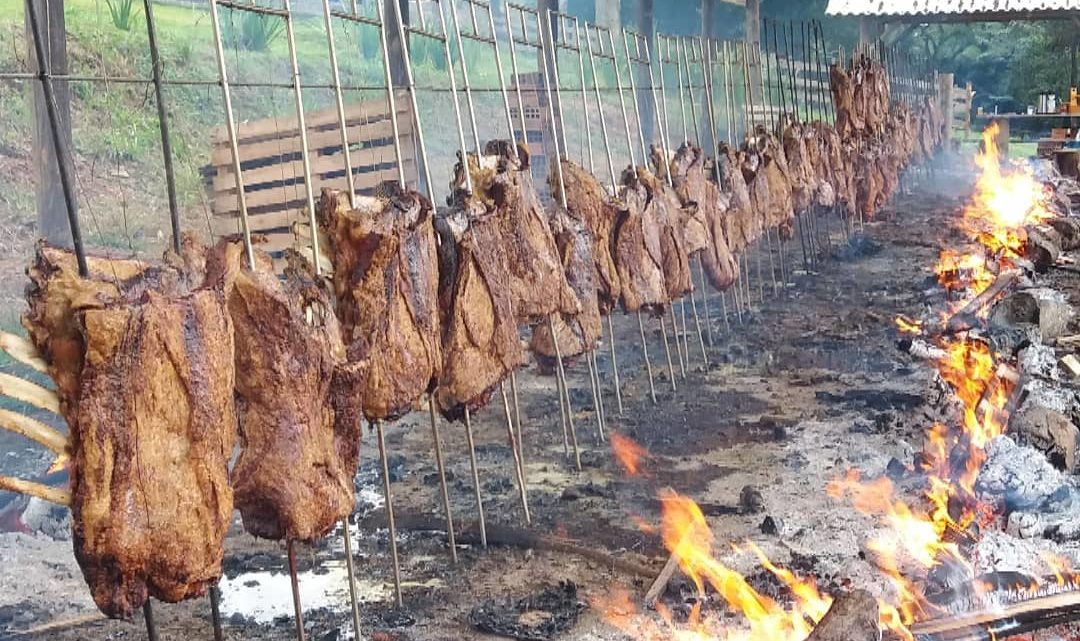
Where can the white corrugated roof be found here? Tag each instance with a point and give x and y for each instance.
(944, 7)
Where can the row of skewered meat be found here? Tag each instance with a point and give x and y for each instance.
(161, 368)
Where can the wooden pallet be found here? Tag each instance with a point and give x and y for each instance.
(273, 170)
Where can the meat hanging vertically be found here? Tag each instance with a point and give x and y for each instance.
(580, 332)
(536, 277)
(144, 371)
(386, 286)
(298, 455)
(740, 226)
(587, 202)
(636, 245)
(710, 205)
(480, 334)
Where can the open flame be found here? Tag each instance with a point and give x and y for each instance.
(919, 538)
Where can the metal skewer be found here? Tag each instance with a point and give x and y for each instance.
(476, 477)
(614, 193)
(151, 627)
(522, 490)
(389, 498)
(215, 612)
(298, 609)
(437, 441)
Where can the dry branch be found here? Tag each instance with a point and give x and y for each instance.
(39, 490)
(28, 392)
(660, 584)
(34, 430)
(23, 351)
(967, 317)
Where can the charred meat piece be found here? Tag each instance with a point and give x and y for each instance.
(662, 204)
(587, 202)
(536, 278)
(294, 476)
(710, 206)
(636, 242)
(480, 336)
(145, 375)
(578, 333)
(386, 285)
(740, 226)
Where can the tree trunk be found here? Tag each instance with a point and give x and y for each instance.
(52, 222)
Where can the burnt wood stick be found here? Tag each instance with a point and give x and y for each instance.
(852, 617)
(509, 536)
(659, 585)
(1026, 610)
(967, 317)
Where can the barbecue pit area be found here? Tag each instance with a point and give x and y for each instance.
(583, 333)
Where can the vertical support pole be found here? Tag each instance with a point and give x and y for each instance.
(63, 157)
(163, 123)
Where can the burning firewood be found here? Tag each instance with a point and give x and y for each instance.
(852, 617)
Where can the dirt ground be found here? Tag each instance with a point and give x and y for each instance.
(809, 385)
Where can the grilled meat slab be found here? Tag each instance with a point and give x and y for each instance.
(144, 371)
(294, 476)
(587, 202)
(709, 205)
(386, 284)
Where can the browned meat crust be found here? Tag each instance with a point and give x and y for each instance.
(386, 280)
(587, 202)
(145, 375)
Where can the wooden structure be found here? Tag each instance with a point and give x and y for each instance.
(962, 98)
(537, 127)
(273, 172)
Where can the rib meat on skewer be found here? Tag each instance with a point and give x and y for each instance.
(144, 371)
(297, 399)
(588, 203)
(386, 284)
(710, 206)
(537, 283)
(480, 338)
(578, 333)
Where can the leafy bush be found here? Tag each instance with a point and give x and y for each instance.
(253, 31)
(123, 13)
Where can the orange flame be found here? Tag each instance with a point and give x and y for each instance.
(629, 453)
(908, 326)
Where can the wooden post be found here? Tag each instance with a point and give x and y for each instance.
(393, 41)
(753, 43)
(52, 223)
(945, 106)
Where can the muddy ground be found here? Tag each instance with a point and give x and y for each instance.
(809, 385)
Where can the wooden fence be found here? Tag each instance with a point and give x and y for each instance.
(273, 170)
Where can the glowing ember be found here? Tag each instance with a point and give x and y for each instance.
(908, 326)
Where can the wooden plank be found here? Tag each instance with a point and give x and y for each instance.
(289, 143)
(285, 196)
(294, 169)
(248, 130)
(222, 225)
